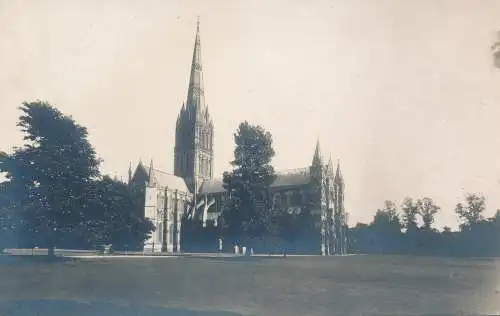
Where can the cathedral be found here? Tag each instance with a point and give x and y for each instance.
(193, 194)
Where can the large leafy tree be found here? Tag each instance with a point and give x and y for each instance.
(248, 209)
(116, 215)
(51, 173)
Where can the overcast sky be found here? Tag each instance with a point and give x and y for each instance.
(402, 92)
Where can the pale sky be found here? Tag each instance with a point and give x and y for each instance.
(404, 93)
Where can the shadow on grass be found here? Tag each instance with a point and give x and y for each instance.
(7, 259)
(64, 308)
(228, 259)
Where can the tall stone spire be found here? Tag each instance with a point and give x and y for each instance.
(194, 153)
(196, 97)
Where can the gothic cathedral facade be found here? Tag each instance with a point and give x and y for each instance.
(192, 193)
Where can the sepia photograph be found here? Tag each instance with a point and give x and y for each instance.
(249, 157)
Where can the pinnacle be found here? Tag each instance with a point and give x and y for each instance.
(317, 160)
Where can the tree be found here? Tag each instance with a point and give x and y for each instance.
(410, 212)
(115, 215)
(7, 216)
(496, 219)
(386, 226)
(471, 212)
(387, 215)
(248, 208)
(427, 209)
(51, 173)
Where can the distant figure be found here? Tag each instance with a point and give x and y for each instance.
(236, 249)
(220, 244)
(244, 250)
(251, 251)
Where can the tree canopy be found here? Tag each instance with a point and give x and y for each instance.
(115, 215)
(51, 171)
(248, 208)
(55, 189)
(471, 212)
(410, 212)
(428, 210)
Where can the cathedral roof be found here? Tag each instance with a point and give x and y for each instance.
(212, 186)
(285, 178)
(166, 180)
(293, 177)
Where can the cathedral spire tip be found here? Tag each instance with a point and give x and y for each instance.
(196, 99)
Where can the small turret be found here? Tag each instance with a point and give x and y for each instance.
(329, 167)
(140, 175)
(129, 173)
(339, 178)
(316, 170)
(317, 159)
(151, 177)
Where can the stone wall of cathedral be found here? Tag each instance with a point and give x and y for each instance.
(166, 209)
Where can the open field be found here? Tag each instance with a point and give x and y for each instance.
(352, 285)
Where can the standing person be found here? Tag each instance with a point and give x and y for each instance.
(219, 244)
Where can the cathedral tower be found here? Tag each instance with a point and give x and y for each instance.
(194, 133)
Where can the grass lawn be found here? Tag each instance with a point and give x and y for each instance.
(352, 285)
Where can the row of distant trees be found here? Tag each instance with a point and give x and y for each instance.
(398, 232)
(55, 195)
